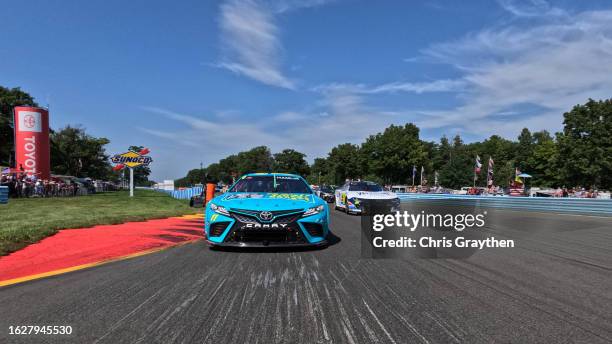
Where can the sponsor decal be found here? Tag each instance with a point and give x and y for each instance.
(214, 217)
(293, 197)
(287, 177)
(243, 195)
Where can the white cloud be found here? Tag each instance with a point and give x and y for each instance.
(250, 38)
(547, 66)
(553, 66)
(530, 8)
(251, 47)
(282, 6)
(395, 87)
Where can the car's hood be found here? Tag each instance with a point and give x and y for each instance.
(371, 194)
(266, 201)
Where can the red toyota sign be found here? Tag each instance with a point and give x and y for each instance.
(32, 149)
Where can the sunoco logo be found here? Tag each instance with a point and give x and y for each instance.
(131, 159)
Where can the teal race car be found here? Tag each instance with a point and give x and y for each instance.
(267, 209)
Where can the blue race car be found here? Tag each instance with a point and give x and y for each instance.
(267, 209)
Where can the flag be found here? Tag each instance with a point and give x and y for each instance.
(478, 165)
(422, 170)
(490, 172)
(436, 178)
(413, 171)
(516, 175)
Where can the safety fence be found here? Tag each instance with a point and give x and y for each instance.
(184, 193)
(4, 194)
(544, 204)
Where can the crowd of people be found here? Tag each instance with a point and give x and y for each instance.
(21, 185)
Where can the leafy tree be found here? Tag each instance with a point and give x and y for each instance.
(392, 154)
(585, 146)
(291, 161)
(524, 149)
(345, 162)
(320, 172)
(194, 176)
(258, 159)
(543, 161)
(9, 98)
(229, 168)
(76, 153)
(458, 171)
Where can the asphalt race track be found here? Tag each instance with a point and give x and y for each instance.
(555, 286)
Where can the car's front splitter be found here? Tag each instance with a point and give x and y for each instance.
(321, 243)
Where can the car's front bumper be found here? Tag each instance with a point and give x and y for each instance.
(305, 231)
(359, 206)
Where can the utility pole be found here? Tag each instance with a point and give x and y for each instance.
(202, 179)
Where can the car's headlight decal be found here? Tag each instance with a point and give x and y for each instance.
(219, 209)
(313, 211)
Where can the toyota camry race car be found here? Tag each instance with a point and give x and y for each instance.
(351, 196)
(266, 209)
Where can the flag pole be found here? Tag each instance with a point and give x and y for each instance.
(421, 176)
(475, 166)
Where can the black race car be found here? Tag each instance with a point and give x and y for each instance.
(327, 194)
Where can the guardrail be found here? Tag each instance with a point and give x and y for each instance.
(4, 194)
(590, 206)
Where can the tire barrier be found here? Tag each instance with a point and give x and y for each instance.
(4, 194)
(590, 206)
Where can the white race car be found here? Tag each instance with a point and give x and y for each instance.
(351, 195)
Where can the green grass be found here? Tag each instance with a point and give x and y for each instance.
(28, 220)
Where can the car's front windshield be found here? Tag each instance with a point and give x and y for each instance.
(268, 183)
(365, 186)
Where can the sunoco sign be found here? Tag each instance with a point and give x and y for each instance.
(131, 159)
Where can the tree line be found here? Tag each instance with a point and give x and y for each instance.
(74, 152)
(580, 155)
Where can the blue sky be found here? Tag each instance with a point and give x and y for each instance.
(197, 80)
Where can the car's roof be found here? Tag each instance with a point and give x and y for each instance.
(271, 174)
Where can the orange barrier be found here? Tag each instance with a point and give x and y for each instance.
(210, 192)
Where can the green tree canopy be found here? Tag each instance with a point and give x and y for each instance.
(392, 153)
(585, 145)
(9, 98)
(76, 153)
(291, 161)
